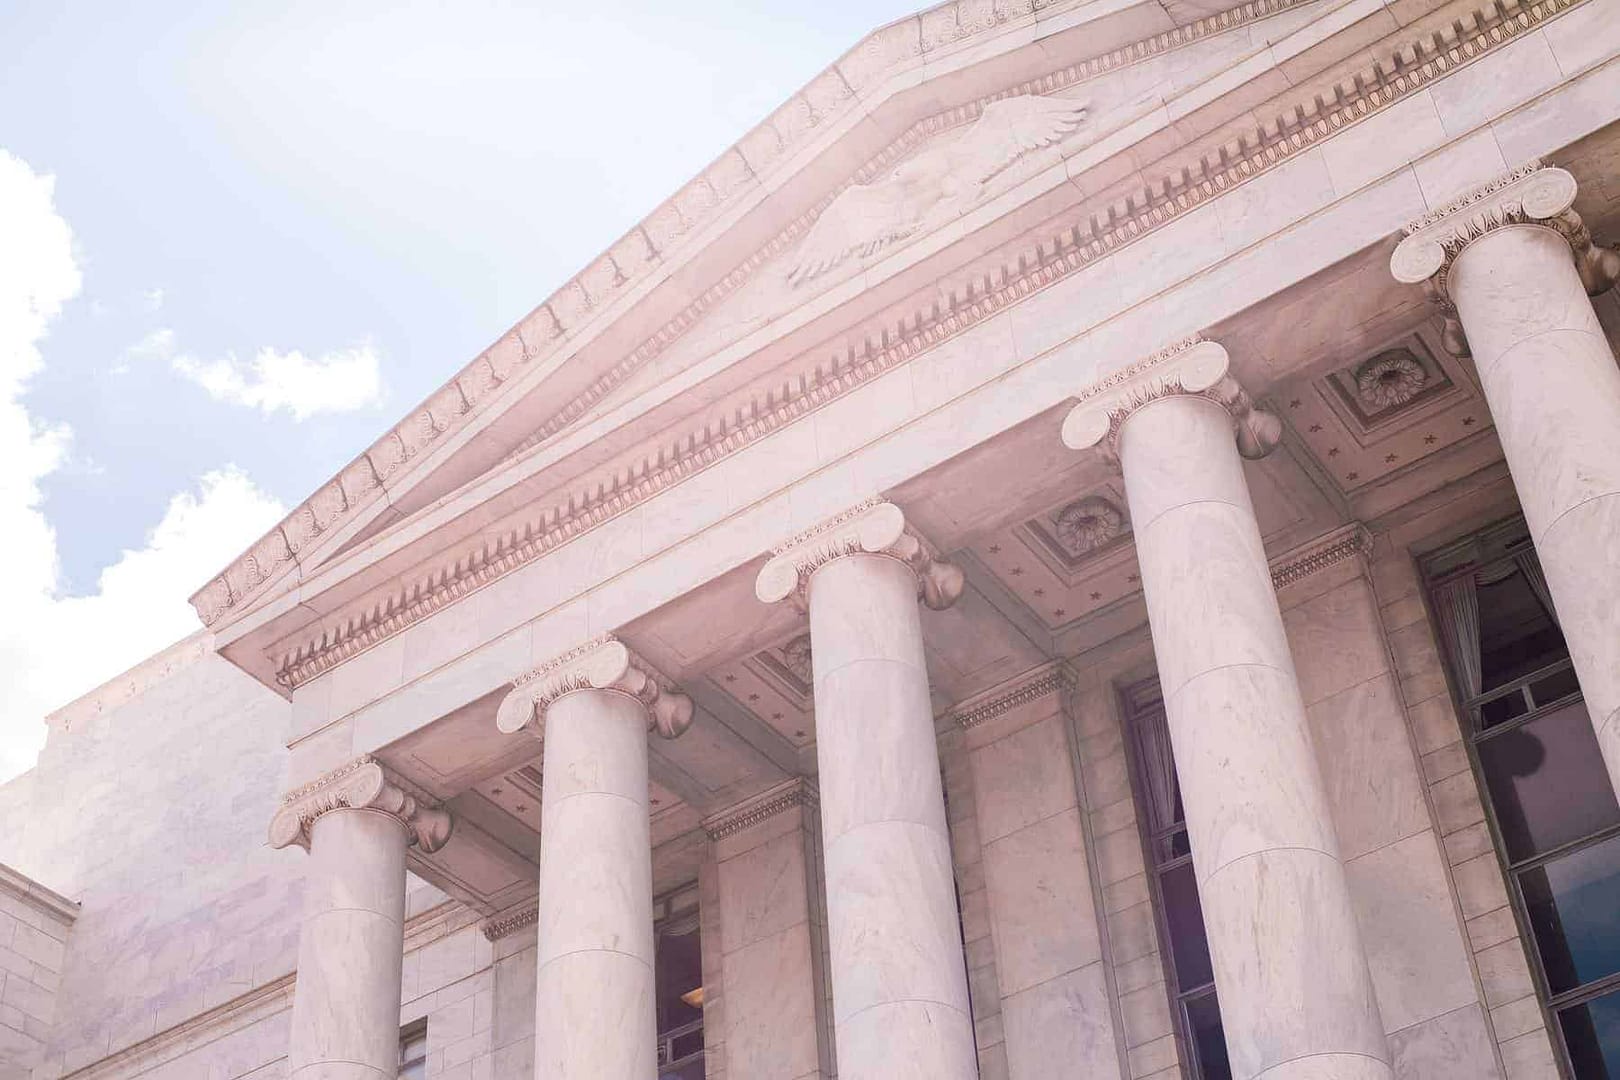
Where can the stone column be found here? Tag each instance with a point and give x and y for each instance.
(1513, 265)
(899, 984)
(356, 823)
(594, 1017)
(1295, 994)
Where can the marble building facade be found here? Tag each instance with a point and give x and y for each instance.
(1083, 546)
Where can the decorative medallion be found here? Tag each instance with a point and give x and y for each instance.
(1390, 380)
(1084, 526)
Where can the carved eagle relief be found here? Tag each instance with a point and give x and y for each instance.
(934, 186)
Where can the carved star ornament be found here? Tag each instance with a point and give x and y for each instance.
(935, 185)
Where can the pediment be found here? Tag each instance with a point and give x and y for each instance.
(935, 141)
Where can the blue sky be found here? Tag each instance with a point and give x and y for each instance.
(289, 222)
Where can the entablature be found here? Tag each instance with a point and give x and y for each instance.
(1063, 220)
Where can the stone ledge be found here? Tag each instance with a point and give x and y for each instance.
(46, 901)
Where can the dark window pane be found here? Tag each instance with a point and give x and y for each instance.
(688, 1070)
(1592, 1033)
(1209, 1041)
(1547, 782)
(1574, 907)
(1186, 922)
(1516, 636)
(1171, 847)
(1549, 688)
(1506, 707)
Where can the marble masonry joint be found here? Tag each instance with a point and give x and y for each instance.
(605, 663)
(1194, 367)
(875, 527)
(362, 784)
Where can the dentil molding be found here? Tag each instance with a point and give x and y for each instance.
(762, 807)
(1533, 194)
(362, 784)
(976, 294)
(874, 527)
(603, 664)
(1194, 367)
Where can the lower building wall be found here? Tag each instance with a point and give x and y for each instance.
(34, 926)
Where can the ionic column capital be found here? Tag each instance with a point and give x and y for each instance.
(603, 664)
(1533, 194)
(874, 527)
(362, 784)
(1194, 368)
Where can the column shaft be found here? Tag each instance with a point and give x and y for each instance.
(1296, 998)
(1550, 379)
(345, 1022)
(594, 981)
(900, 1003)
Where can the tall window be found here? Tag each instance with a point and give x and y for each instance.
(678, 994)
(413, 1051)
(1552, 810)
(1174, 885)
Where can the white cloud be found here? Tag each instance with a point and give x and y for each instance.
(341, 380)
(53, 648)
(153, 299)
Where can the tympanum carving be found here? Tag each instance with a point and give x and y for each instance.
(935, 185)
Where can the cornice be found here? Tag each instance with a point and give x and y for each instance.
(1346, 542)
(762, 807)
(48, 902)
(361, 784)
(637, 255)
(873, 527)
(602, 664)
(1196, 368)
(977, 295)
(507, 922)
(1031, 686)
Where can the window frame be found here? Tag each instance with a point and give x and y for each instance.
(1473, 732)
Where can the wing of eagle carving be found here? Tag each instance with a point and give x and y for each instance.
(865, 219)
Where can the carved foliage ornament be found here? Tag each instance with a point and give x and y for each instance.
(1533, 194)
(1390, 380)
(1084, 526)
(603, 664)
(362, 784)
(874, 527)
(1194, 367)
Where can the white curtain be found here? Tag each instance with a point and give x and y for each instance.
(1456, 605)
(1158, 766)
(1530, 566)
